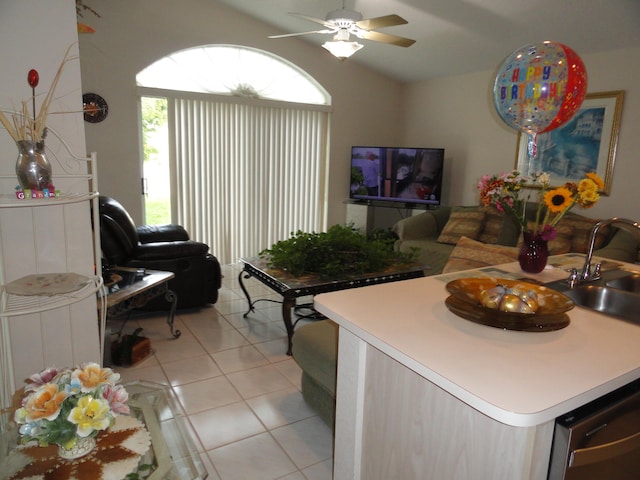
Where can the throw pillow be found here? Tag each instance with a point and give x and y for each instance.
(493, 221)
(469, 254)
(463, 221)
(582, 227)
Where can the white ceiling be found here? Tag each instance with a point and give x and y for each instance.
(461, 36)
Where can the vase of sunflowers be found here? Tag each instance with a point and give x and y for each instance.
(534, 253)
(507, 193)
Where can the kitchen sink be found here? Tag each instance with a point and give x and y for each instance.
(630, 283)
(617, 294)
(614, 292)
(608, 300)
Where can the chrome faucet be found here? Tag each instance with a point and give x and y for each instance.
(589, 274)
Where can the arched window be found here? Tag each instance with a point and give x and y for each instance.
(247, 146)
(233, 70)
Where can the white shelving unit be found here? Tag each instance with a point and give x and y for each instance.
(10, 201)
(13, 305)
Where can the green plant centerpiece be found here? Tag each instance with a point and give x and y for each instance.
(340, 251)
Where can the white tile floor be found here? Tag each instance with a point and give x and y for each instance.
(238, 388)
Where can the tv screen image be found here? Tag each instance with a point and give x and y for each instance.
(397, 174)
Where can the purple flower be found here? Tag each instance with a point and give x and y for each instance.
(548, 233)
(39, 379)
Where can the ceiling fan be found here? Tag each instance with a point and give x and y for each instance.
(342, 23)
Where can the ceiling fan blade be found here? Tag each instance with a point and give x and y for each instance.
(311, 19)
(381, 22)
(300, 33)
(386, 38)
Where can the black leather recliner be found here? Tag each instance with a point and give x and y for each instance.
(162, 247)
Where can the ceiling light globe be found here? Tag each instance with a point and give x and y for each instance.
(342, 49)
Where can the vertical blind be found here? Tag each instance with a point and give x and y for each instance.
(244, 176)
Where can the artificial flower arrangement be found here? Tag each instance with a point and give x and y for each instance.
(62, 406)
(503, 191)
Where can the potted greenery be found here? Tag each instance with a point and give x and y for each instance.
(340, 251)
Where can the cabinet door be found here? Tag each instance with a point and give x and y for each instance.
(406, 427)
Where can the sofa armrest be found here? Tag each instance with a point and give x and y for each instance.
(170, 250)
(623, 246)
(162, 233)
(417, 227)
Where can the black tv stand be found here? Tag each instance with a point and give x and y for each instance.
(387, 204)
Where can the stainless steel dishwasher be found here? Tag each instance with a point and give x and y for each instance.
(600, 440)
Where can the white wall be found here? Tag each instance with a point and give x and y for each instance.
(457, 113)
(131, 35)
(35, 34)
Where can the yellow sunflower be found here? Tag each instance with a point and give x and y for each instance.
(588, 198)
(558, 199)
(587, 185)
(596, 179)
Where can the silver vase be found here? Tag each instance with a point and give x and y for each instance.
(32, 167)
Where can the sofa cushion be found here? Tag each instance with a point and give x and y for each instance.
(318, 398)
(623, 246)
(470, 253)
(315, 350)
(431, 254)
(463, 221)
(582, 227)
(493, 222)
(417, 227)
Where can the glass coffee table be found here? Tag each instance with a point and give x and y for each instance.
(172, 454)
(291, 287)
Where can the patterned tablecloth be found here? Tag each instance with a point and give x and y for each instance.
(117, 453)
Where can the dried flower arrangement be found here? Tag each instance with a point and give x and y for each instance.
(23, 126)
(81, 8)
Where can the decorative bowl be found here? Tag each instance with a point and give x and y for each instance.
(466, 301)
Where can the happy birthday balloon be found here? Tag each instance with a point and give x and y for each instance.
(539, 87)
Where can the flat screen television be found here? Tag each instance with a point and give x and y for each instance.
(396, 174)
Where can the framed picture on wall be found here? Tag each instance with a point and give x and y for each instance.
(586, 143)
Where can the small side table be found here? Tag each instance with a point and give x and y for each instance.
(136, 288)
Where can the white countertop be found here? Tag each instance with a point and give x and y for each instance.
(517, 378)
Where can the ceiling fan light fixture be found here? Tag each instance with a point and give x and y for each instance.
(342, 49)
(343, 23)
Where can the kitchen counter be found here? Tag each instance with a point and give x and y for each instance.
(519, 379)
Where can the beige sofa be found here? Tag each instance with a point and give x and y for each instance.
(450, 239)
